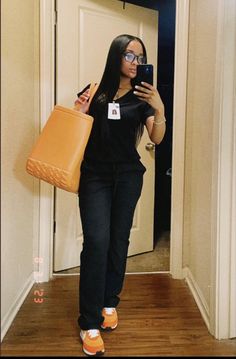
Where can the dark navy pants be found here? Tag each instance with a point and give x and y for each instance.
(107, 199)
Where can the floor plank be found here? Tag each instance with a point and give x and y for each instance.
(157, 317)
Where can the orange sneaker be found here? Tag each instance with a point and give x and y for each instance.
(92, 342)
(110, 318)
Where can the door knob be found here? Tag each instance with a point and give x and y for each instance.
(150, 146)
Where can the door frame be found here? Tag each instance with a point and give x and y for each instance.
(222, 314)
(47, 86)
(223, 245)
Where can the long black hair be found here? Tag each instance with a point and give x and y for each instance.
(110, 81)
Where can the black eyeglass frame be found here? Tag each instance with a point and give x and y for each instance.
(137, 57)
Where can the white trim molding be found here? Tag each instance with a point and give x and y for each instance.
(178, 145)
(47, 70)
(11, 314)
(223, 289)
(198, 296)
(232, 324)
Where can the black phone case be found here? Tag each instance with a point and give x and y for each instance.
(144, 74)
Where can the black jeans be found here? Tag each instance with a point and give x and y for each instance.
(107, 199)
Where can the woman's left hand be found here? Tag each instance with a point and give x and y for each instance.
(149, 94)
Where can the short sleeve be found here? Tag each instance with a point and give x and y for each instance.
(147, 112)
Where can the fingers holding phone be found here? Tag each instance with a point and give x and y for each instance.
(144, 91)
(149, 94)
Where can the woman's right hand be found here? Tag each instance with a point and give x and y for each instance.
(81, 104)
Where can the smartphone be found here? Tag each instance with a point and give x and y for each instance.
(144, 74)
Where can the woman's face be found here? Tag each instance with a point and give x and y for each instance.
(129, 69)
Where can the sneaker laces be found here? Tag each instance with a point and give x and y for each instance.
(93, 333)
(109, 310)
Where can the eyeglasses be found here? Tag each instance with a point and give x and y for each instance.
(130, 57)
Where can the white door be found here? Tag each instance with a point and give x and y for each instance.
(85, 30)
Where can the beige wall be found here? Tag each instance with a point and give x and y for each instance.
(199, 142)
(20, 123)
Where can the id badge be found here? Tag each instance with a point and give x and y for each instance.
(114, 111)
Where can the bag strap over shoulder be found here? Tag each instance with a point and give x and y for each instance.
(92, 89)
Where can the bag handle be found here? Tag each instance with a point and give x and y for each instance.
(92, 89)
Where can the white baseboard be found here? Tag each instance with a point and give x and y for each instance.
(10, 315)
(198, 296)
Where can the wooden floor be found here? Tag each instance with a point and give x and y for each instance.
(157, 317)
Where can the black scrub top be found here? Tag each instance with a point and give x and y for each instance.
(121, 145)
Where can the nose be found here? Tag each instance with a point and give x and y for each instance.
(135, 61)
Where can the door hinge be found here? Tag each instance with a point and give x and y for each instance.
(54, 226)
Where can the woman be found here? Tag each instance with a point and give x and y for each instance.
(111, 183)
